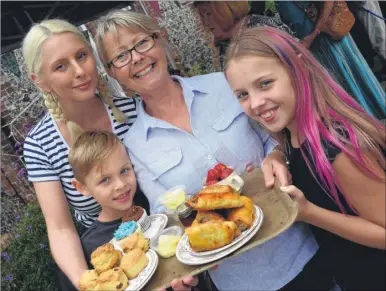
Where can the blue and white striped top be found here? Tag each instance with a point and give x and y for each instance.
(46, 157)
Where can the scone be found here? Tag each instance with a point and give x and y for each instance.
(113, 280)
(133, 263)
(89, 280)
(105, 257)
(134, 241)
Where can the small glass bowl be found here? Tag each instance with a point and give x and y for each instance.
(172, 230)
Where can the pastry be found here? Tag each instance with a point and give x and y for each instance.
(105, 257)
(243, 216)
(134, 241)
(113, 280)
(212, 201)
(133, 263)
(133, 214)
(205, 216)
(217, 189)
(89, 280)
(211, 235)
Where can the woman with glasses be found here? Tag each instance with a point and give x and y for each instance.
(61, 63)
(184, 127)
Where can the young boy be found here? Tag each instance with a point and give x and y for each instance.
(103, 170)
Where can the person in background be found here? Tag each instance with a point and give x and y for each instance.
(335, 149)
(226, 19)
(341, 58)
(369, 15)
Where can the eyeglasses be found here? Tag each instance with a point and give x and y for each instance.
(124, 57)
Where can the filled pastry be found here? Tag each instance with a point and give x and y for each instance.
(243, 216)
(217, 189)
(212, 201)
(211, 235)
(205, 216)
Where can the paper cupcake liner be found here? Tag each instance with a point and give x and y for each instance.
(144, 221)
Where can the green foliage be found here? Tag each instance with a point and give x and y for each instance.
(27, 263)
(195, 70)
(270, 7)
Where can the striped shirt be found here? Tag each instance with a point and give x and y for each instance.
(46, 157)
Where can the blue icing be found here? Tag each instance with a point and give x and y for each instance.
(125, 229)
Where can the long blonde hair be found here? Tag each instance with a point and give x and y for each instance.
(324, 110)
(32, 44)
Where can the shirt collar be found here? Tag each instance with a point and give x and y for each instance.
(189, 88)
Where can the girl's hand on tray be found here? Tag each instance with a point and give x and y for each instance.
(274, 165)
(301, 201)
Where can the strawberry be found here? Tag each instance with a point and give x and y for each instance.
(211, 182)
(225, 173)
(213, 175)
(220, 167)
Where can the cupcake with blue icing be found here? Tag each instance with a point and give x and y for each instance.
(125, 229)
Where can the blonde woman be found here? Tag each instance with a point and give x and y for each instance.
(184, 127)
(61, 63)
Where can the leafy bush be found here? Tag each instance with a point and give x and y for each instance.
(27, 263)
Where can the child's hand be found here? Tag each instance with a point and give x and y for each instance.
(299, 198)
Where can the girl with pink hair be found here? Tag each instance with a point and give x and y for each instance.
(334, 148)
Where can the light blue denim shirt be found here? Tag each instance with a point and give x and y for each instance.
(165, 156)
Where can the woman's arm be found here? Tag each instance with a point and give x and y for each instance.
(364, 193)
(324, 13)
(64, 240)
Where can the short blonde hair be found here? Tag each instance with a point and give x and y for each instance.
(91, 149)
(119, 18)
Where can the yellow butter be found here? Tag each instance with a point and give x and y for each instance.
(167, 245)
(173, 199)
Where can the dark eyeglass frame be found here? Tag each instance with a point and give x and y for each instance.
(111, 64)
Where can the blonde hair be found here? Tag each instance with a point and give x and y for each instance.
(32, 44)
(228, 12)
(90, 150)
(119, 18)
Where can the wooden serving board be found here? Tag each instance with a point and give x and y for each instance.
(279, 214)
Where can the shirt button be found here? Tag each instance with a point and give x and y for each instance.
(210, 157)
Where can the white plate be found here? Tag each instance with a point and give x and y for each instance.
(158, 224)
(143, 277)
(187, 258)
(235, 241)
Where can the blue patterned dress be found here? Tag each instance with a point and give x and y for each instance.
(342, 59)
